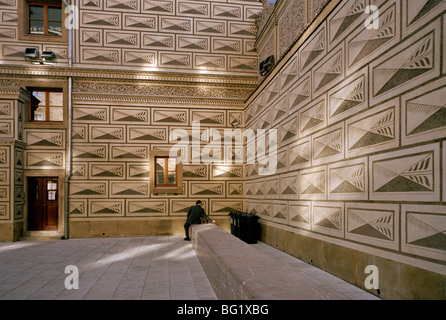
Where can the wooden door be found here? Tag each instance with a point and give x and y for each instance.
(43, 209)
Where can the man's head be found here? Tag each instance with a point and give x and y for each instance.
(199, 203)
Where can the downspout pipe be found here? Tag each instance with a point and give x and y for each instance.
(69, 142)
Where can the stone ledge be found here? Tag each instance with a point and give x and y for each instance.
(237, 271)
(133, 226)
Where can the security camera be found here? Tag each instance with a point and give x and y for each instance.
(31, 53)
(47, 55)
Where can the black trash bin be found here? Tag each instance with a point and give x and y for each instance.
(235, 223)
(249, 227)
(243, 226)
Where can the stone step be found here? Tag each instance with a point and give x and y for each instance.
(40, 238)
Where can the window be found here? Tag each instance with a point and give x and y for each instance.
(166, 173)
(41, 20)
(51, 190)
(44, 19)
(47, 105)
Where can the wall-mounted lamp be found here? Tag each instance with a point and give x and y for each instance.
(47, 55)
(32, 55)
(235, 124)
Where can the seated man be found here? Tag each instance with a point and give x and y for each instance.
(194, 217)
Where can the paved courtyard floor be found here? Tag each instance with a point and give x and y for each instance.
(140, 268)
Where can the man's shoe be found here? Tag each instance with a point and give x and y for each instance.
(187, 239)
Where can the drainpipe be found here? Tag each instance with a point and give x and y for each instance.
(69, 147)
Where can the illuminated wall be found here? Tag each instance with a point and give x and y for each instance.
(361, 127)
(141, 69)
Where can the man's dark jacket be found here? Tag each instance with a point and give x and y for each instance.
(195, 214)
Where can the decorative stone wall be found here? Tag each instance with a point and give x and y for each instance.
(282, 24)
(213, 36)
(361, 127)
(114, 136)
(169, 35)
(117, 124)
(12, 193)
(11, 48)
(141, 69)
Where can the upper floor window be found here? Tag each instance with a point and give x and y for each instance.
(48, 105)
(45, 18)
(42, 21)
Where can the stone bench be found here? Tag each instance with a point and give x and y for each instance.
(238, 271)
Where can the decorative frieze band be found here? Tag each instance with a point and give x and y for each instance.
(87, 73)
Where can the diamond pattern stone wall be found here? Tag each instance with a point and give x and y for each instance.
(111, 148)
(360, 116)
(12, 191)
(212, 36)
(164, 35)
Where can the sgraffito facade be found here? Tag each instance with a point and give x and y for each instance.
(133, 73)
(361, 142)
(357, 105)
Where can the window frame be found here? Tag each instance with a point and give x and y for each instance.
(48, 84)
(47, 105)
(165, 172)
(45, 19)
(23, 26)
(165, 188)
